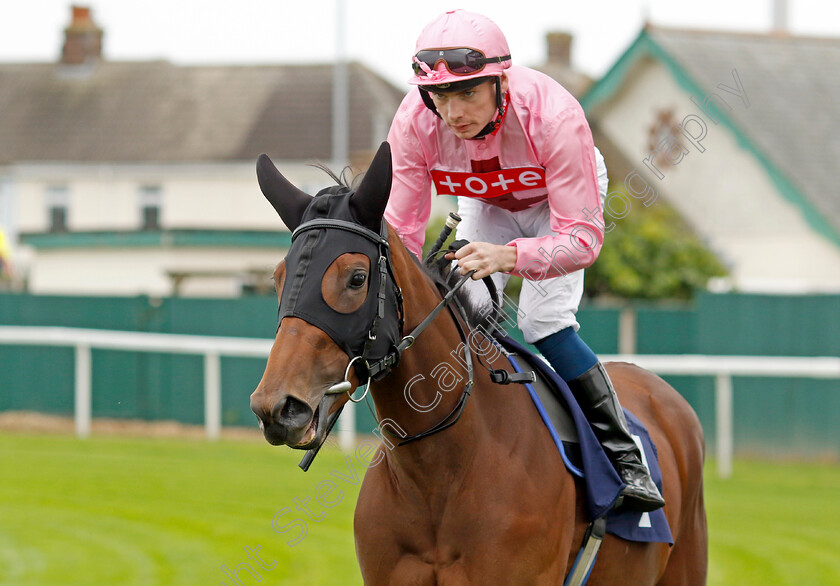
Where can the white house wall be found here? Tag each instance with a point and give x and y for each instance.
(134, 271)
(105, 197)
(724, 192)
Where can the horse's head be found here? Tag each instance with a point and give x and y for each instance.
(337, 301)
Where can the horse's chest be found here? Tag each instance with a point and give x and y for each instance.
(475, 536)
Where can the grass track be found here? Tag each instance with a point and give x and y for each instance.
(774, 523)
(153, 511)
(150, 511)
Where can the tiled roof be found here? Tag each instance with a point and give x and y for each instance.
(159, 112)
(793, 88)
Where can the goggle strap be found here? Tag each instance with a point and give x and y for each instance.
(486, 60)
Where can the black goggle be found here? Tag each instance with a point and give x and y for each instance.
(461, 61)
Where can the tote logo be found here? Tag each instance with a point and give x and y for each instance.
(487, 185)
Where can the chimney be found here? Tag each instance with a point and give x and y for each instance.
(559, 49)
(82, 39)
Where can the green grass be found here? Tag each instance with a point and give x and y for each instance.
(774, 523)
(152, 511)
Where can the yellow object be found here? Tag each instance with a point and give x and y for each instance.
(5, 256)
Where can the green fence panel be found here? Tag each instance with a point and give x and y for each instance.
(786, 417)
(599, 328)
(768, 325)
(118, 383)
(182, 388)
(777, 416)
(36, 378)
(665, 330)
(700, 394)
(111, 313)
(672, 330)
(240, 377)
(249, 317)
(365, 421)
(773, 416)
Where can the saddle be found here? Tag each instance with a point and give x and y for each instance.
(582, 453)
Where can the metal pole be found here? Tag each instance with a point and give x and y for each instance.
(723, 419)
(340, 93)
(212, 395)
(82, 393)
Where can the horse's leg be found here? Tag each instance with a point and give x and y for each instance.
(688, 562)
(383, 527)
(675, 429)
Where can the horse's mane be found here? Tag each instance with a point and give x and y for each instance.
(444, 278)
(347, 178)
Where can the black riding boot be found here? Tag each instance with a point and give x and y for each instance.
(597, 398)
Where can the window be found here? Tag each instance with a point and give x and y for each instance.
(150, 200)
(58, 202)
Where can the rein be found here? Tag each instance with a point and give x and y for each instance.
(458, 410)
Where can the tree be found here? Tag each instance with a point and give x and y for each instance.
(651, 254)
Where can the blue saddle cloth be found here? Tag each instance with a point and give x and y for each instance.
(602, 484)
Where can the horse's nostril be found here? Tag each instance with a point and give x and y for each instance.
(290, 409)
(292, 412)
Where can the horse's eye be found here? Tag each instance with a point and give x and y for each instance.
(358, 279)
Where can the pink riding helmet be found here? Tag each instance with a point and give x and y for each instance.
(455, 29)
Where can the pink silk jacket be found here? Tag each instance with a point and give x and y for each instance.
(542, 150)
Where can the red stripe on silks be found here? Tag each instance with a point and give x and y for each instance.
(493, 186)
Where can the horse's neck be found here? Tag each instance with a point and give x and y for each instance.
(494, 433)
(428, 383)
(412, 400)
(497, 432)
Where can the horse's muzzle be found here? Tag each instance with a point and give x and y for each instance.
(289, 421)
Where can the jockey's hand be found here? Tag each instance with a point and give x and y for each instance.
(484, 258)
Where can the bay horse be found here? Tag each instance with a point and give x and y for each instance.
(481, 497)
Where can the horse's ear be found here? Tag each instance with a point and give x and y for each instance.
(289, 201)
(371, 197)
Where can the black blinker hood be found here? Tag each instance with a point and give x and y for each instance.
(328, 229)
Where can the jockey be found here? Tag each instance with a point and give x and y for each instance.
(516, 149)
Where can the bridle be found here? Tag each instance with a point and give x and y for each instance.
(375, 368)
(366, 368)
